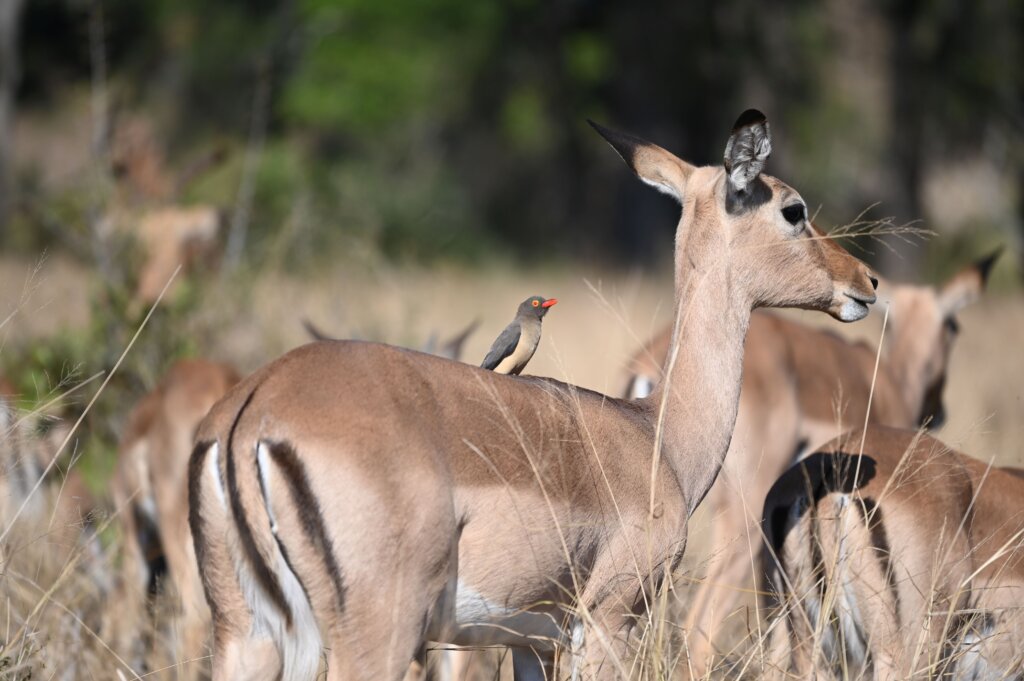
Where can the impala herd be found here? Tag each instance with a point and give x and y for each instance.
(352, 504)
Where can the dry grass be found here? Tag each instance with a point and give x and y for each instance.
(60, 599)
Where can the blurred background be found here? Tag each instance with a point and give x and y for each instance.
(395, 170)
(450, 130)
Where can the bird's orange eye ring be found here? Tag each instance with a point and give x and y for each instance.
(536, 303)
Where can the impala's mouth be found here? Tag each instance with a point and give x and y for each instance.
(855, 306)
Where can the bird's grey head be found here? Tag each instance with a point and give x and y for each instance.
(536, 306)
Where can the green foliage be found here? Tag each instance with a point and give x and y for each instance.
(524, 121)
(444, 129)
(587, 58)
(370, 66)
(44, 371)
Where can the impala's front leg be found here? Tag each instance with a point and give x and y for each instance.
(602, 646)
(622, 597)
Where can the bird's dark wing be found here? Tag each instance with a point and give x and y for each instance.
(503, 346)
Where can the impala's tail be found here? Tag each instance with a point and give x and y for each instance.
(229, 506)
(830, 575)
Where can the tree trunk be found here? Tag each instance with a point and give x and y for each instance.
(906, 136)
(10, 16)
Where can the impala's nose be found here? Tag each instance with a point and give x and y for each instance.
(874, 281)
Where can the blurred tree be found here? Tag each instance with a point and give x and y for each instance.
(441, 128)
(10, 27)
(956, 74)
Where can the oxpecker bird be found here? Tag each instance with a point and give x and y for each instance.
(515, 346)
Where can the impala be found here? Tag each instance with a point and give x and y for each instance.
(800, 385)
(149, 492)
(368, 498)
(898, 556)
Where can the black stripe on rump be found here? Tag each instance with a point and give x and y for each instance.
(312, 520)
(264, 575)
(872, 517)
(195, 516)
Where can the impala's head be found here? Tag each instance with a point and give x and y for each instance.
(737, 217)
(535, 306)
(923, 326)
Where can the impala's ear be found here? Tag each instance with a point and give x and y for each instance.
(747, 149)
(315, 332)
(659, 168)
(967, 285)
(453, 348)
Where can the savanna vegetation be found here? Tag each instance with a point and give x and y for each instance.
(394, 170)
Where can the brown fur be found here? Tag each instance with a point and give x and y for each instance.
(932, 566)
(448, 490)
(801, 386)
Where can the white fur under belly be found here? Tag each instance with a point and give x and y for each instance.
(481, 620)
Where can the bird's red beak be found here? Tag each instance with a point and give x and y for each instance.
(549, 302)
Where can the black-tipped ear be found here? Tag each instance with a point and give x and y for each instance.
(453, 348)
(968, 284)
(624, 144)
(315, 332)
(748, 148)
(984, 265)
(652, 164)
(749, 117)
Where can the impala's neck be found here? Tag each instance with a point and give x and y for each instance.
(905, 365)
(696, 402)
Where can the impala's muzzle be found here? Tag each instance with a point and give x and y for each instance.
(850, 302)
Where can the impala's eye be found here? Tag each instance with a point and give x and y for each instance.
(794, 213)
(952, 325)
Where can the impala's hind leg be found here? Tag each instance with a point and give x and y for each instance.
(374, 569)
(382, 629)
(865, 607)
(797, 601)
(240, 652)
